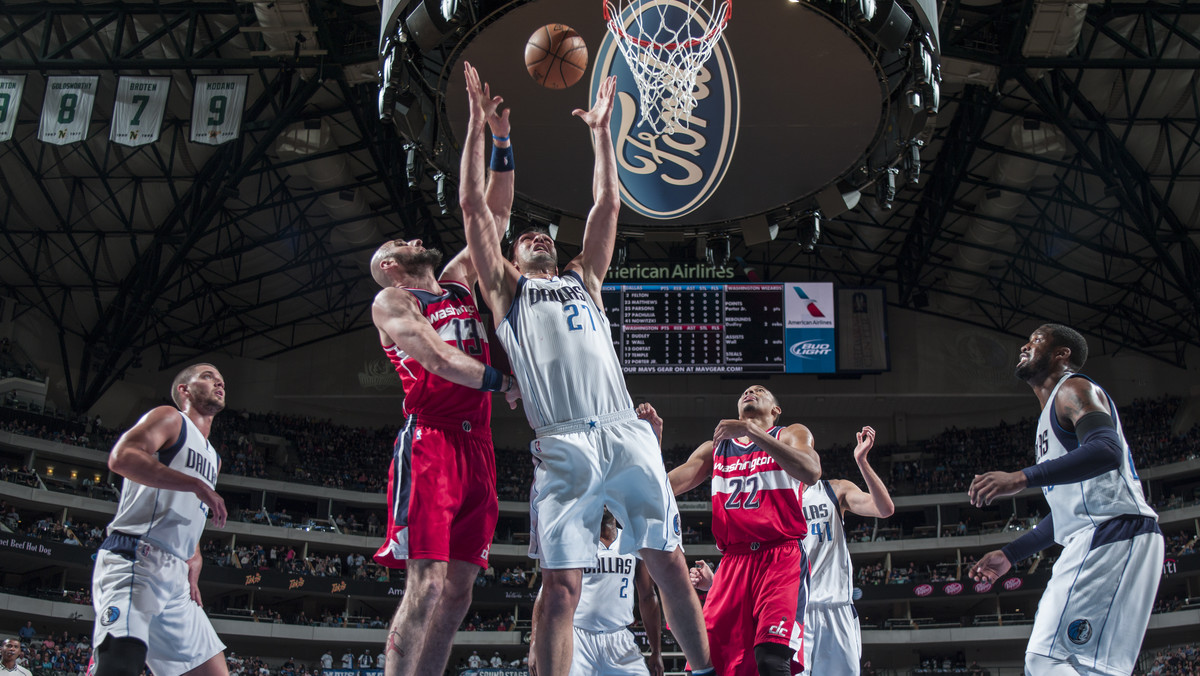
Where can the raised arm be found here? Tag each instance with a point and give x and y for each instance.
(600, 234)
(135, 457)
(651, 617)
(497, 277)
(876, 501)
(693, 472)
(793, 450)
(395, 313)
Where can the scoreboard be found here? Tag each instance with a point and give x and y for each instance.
(721, 328)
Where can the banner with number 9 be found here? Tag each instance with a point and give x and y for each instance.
(11, 87)
(217, 108)
(67, 108)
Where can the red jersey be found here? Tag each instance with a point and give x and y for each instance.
(456, 319)
(754, 500)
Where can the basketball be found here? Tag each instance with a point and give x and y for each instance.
(556, 56)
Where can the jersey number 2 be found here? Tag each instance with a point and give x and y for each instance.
(572, 312)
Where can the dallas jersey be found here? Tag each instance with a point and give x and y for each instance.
(1091, 502)
(560, 346)
(832, 573)
(606, 599)
(170, 520)
(456, 319)
(754, 499)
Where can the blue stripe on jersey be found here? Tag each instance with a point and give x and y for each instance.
(731, 449)
(166, 456)
(1121, 528)
(514, 309)
(402, 472)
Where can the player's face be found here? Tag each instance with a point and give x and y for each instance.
(207, 391)
(535, 251)
(1035, 356)
(413, 256)
(11, 650)
(756, 399)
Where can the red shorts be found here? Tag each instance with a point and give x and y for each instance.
(441, 496)
(756, 597)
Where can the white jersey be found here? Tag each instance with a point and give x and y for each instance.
(606, 599)
(832, 574)
(560, 347)
(1091, 502)
(170, 520)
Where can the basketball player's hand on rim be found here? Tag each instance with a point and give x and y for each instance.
(601, 112)
(991, 567)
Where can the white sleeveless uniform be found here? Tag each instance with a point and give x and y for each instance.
(1097, 604)
(140, 583)
(832, 641)
(603, 644)
(591, 450)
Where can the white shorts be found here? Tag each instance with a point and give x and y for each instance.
(1097, 604)
(579, 469)
(832, 641)
(606, 654)
(144, 594)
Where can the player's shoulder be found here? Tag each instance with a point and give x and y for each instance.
(795, 432)
(395, 301)
(161, 415)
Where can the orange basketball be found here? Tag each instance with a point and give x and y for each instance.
(556, 56)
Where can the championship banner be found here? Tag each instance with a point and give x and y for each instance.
(138, 109)
(862, 330)
(808, 331)
(67, 108)
(217, 108)
(11, 87)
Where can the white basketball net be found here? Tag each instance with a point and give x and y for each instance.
(665, 43)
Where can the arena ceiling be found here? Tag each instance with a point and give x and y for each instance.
(1062, 183)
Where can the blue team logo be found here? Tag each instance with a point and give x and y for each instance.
(676, 524)
(109, 615)
(669, 175)
(1079, 631)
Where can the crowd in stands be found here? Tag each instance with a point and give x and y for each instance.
(1175, 661)
(54, 654)
(285, 559)
(499, 622)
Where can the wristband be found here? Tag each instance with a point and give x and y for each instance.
(502, 159)
(493, 380)
(499, 138)
(509, 381)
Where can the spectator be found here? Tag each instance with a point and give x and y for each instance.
(327, 660)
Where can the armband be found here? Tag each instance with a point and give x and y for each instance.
(493, 380)
(502, 159)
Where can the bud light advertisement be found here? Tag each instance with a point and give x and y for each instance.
(809, 334)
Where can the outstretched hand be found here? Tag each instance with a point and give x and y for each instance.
(987, 487)
(866, 441)
(991, 567)
(484, 106)
(601, 112)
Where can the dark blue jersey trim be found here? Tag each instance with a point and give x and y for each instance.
(1125, 527)
(166, 455)
(514, 309)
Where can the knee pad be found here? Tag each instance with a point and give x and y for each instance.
(124, 656)
(773, 659)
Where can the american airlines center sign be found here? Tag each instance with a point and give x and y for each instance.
(670, 175)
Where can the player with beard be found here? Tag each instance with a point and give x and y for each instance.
(1095, 609)
(144, 586)
(756, 601)
(442, 506)
(591, 450)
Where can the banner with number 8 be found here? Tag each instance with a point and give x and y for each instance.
(138, 109)
(217, 108)
(67, 108)
(11, 87)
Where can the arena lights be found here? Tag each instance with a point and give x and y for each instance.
(430, 21)
(808, 231)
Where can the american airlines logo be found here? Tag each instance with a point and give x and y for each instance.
(809, 303)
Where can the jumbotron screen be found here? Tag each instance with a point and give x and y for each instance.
(723, 328)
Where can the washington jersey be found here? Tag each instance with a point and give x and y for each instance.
(170, 520)
(1092, 501)
(456, 319)
(828, 553)
(606, 599)
(754, 499)
(560, 346)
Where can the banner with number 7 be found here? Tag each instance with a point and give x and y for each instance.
(67, 108)
(11, 87)
(217, 108)
(138, 109)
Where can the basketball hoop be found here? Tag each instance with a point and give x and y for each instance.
(666, 43)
